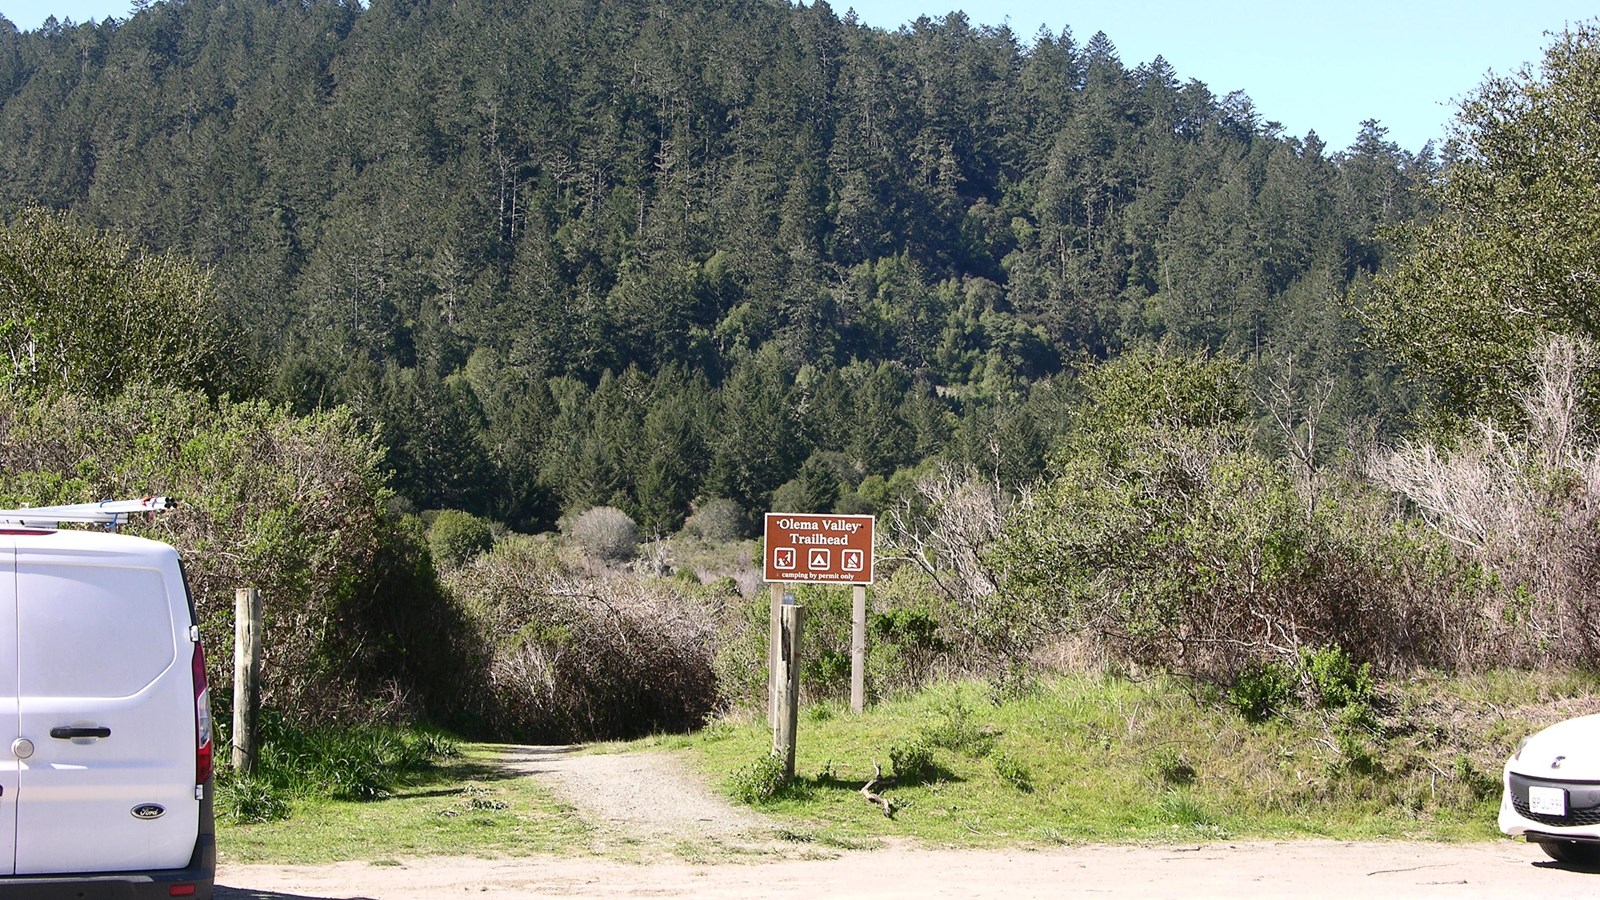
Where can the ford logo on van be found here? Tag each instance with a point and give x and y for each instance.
(149, 811)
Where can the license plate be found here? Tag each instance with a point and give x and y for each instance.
(1547, 801)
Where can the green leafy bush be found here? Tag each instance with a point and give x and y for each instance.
(911, 761)
(907, 633)
(1171, 768)
(956, 728)
(1481, 785)
(82, 312)
(1336, 678)
(1263, 691)
(1168, 535)
(759, 782)
(1357, 756)
(295, 506)
(456, 537)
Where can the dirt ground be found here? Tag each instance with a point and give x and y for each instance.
(647, 799)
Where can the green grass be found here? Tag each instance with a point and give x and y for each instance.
(1105, 759)
(1080, 759)
(468, 805)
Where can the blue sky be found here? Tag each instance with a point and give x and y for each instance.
(1322, 66)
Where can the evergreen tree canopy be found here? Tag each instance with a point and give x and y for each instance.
(458, 217)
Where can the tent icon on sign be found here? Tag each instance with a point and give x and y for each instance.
(783, 558)
(819, 560)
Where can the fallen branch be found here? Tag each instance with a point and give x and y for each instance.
(870, 790)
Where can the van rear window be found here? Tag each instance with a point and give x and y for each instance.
(91, 631)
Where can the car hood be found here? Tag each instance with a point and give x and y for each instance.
(1566, 751)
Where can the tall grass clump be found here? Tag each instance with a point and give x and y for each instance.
(332, 763)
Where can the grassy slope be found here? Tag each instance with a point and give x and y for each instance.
(1098, 759)
(1116, 760)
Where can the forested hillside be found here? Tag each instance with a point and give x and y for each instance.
(568, 253)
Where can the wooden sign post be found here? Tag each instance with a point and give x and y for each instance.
(788, 685)
(812, 549)
(858, 648)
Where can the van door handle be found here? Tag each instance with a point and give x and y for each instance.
(65, 733)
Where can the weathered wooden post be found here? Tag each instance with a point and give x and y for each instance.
(246, 677)
(858, 648)
(774, 641)
(791, 619)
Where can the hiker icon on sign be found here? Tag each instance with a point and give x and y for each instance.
(853, 561)
(783, 558)
(819, 560)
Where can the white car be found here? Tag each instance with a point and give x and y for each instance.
(105, 725)
(1552, 791)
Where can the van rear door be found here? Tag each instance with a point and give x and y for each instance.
(106, 696)
(8, 706)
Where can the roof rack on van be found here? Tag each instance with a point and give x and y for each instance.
(109, 513)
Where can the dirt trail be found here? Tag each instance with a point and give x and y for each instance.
(649, 807)
(645, 799)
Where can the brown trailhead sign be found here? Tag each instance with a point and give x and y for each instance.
(819, 549)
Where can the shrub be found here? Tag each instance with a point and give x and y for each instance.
(907, 631)
(605, 533)
(576, 656)
(1171, 768)
(1520, 504)
(84, 312)
(956, 729)
(946, 526)
(1356, 755)
(911, 761)
(456, 537)
(717, 521)
(1262, 691)
(1016, 681)
(297, 507)
(1337, 680)
(1481, 786)
(1168, 536)
(759, 782)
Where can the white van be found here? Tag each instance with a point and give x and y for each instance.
(105, 726)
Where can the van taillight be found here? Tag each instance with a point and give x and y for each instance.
(202, 718)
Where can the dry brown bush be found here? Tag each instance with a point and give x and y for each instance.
(574, 656)
(1527, 508)
(605, 533)
(945, 527)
